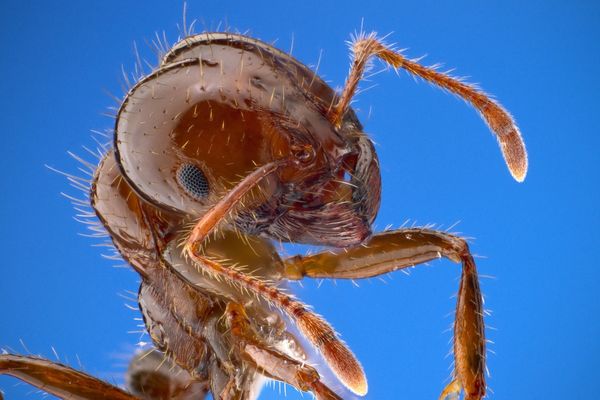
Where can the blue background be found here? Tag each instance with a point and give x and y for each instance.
(538, 240)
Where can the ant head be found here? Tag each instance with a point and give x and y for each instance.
(219, 106)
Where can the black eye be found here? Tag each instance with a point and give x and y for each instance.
(193, 181)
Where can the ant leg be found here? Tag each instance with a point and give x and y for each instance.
(271, 362)
(496, 117)
(151, 378)
(318, 331)
(209, 221)
(390, 251)
(237, 385)
(58, 379)
(342, 361)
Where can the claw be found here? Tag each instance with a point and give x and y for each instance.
(452, 389)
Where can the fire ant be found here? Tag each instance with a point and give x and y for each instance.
(228, 145)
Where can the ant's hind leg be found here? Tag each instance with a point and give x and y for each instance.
(59, 380)
(272, 363)
(390, 251)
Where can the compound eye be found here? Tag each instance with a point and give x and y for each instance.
(193, 181)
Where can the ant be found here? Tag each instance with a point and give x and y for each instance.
(229, 145)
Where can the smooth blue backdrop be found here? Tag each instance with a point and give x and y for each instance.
(538, 240)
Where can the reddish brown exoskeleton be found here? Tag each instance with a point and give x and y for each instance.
(227, 145)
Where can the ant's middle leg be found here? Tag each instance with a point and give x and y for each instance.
(390, 251)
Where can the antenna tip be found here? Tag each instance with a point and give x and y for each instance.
(515, 154)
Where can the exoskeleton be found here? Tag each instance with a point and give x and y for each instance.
(230, 145)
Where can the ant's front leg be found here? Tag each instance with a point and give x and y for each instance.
(271, 362)
(318, 331)
(59, 380)
(394, 250)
